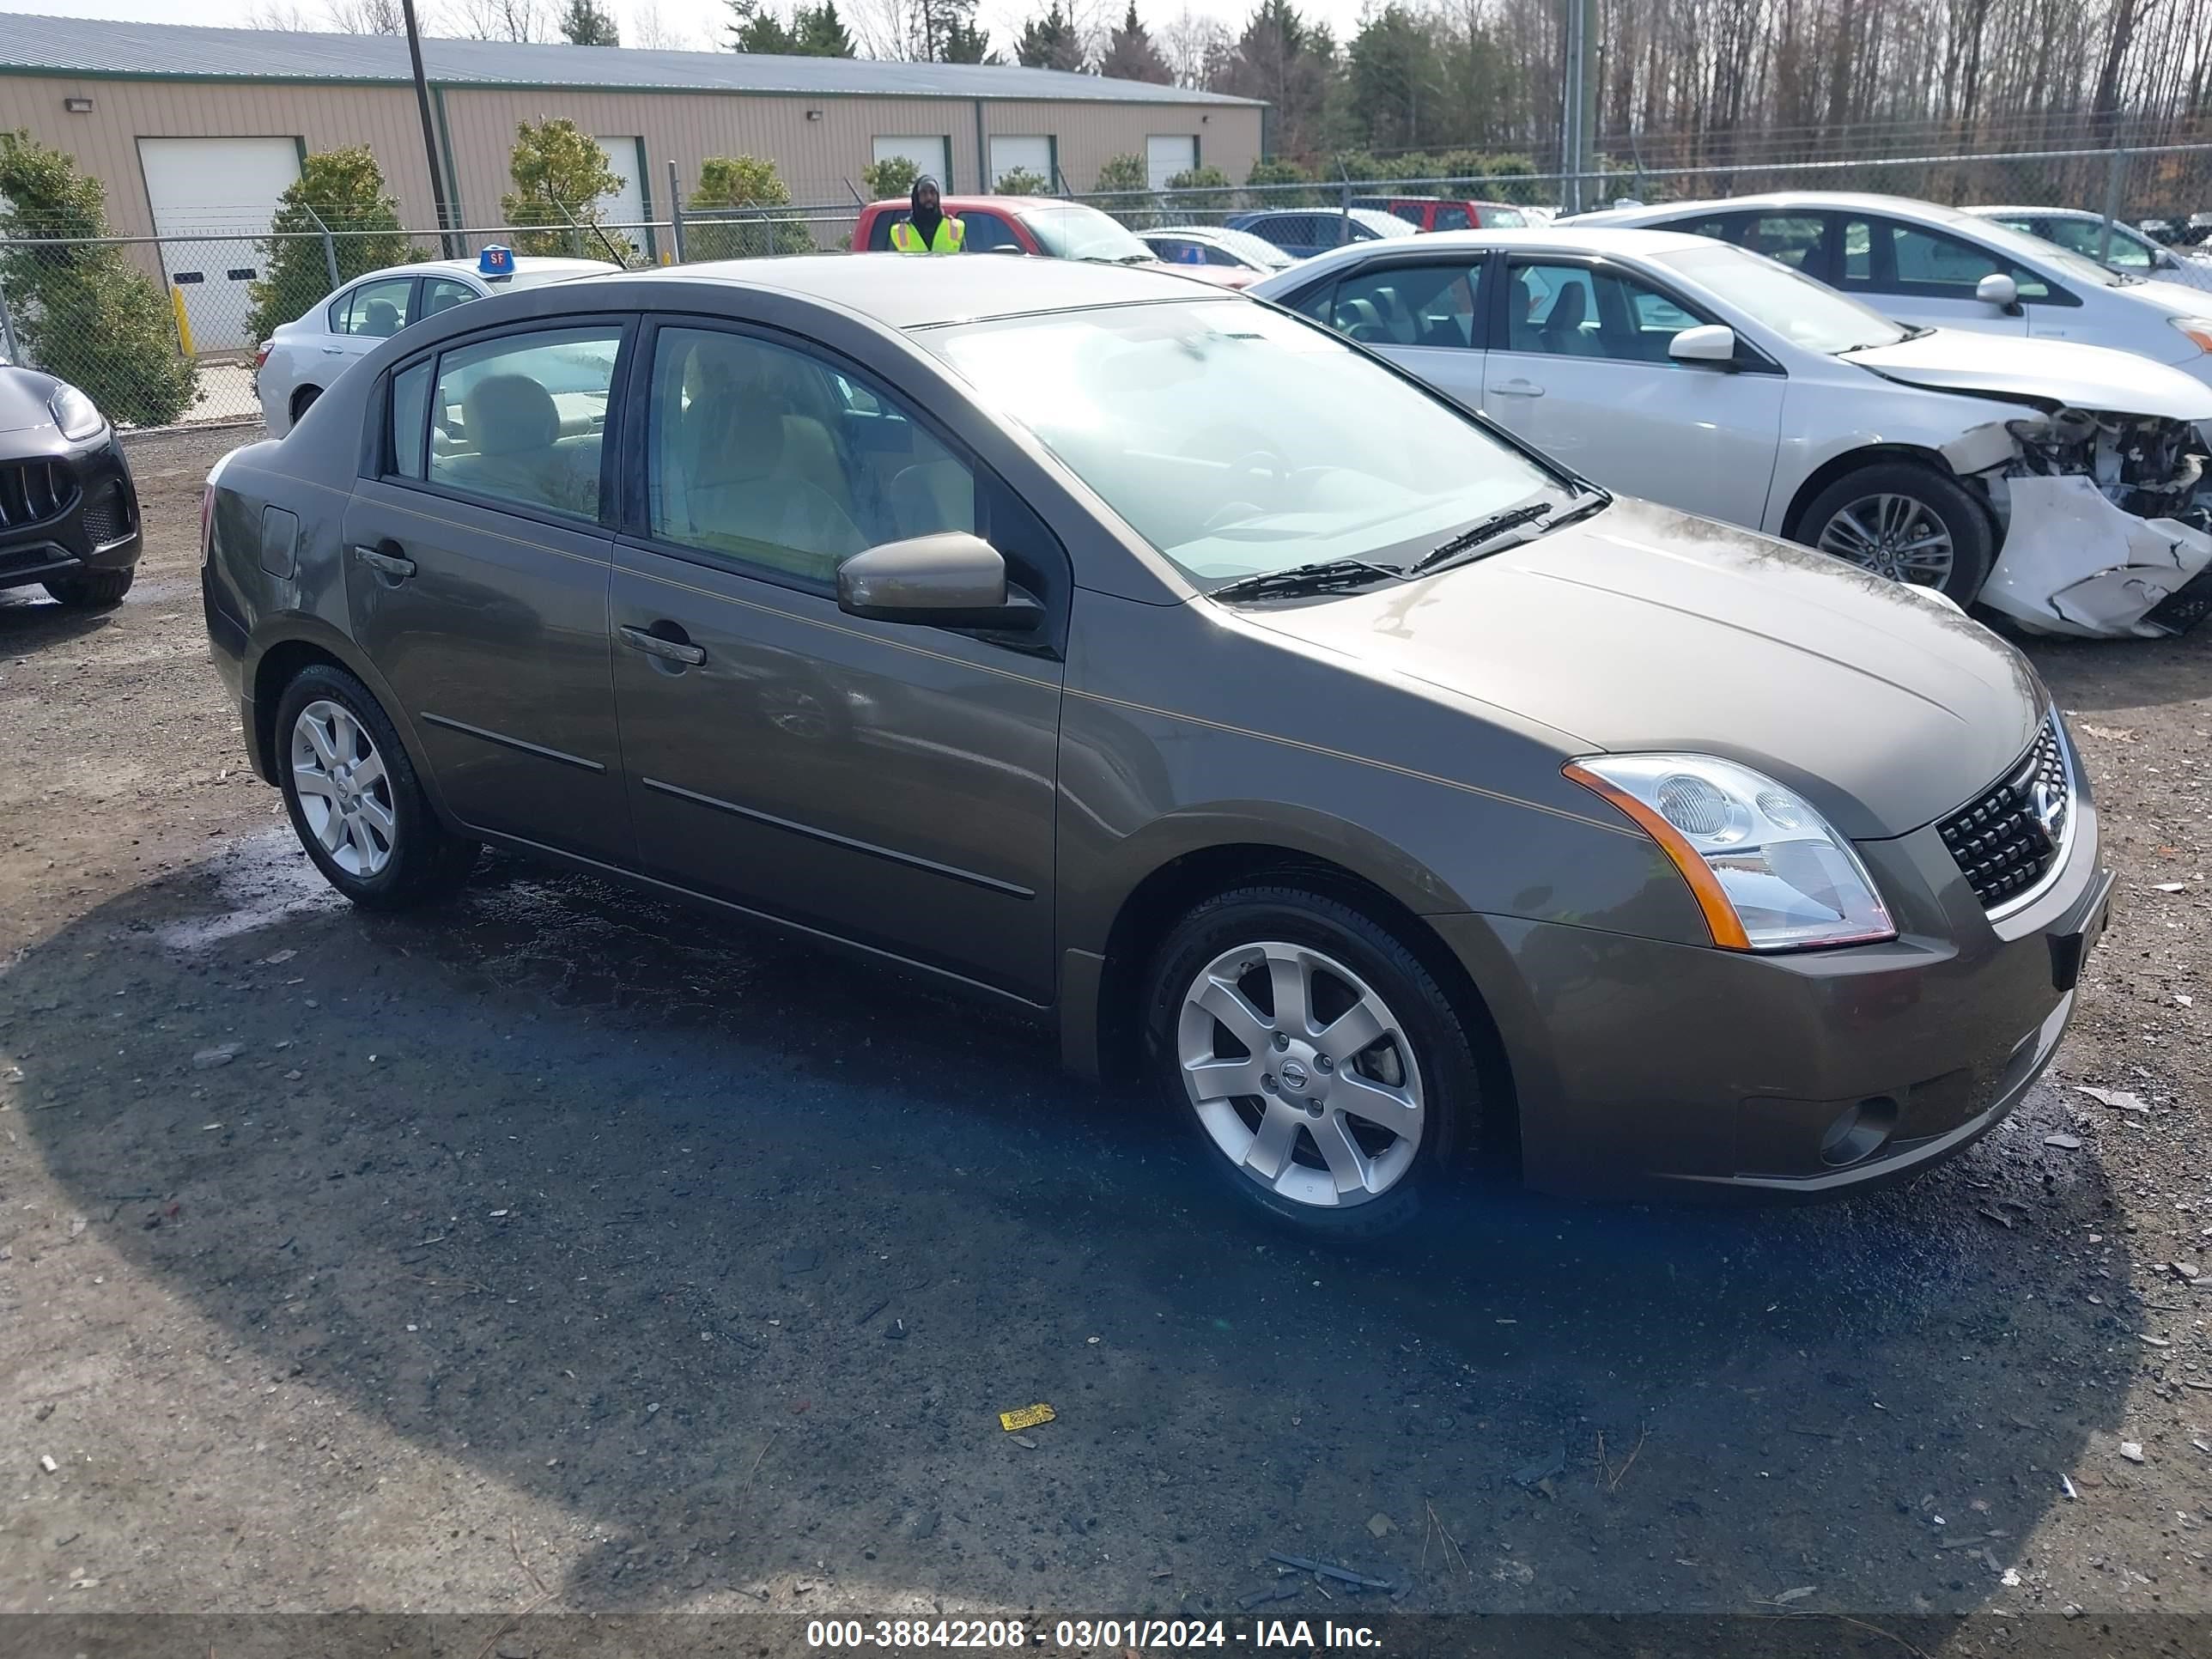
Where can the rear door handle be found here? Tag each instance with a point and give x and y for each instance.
(653, 644)
(386, 560)
(334, 351)
(1516, 389)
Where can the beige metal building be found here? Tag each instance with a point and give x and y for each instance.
(197, 131)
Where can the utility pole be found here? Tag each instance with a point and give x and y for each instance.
(430, 130)
(1578, 101)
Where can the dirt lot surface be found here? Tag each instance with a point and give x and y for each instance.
(564, 1251)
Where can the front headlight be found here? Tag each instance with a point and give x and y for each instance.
(1767, 871)
(77, 415)
(2198, 329)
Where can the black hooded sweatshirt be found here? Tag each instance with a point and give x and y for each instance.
(925, 222)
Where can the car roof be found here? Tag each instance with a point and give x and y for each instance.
(906, 293)
(532, 264)
(1622, 242)
(2041, 212)
(1910, 206)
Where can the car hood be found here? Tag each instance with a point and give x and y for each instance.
(1643, 629)
(2044, 371)
(23, 395)
(2176, 299)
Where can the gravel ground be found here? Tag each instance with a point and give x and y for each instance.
(562, 1250)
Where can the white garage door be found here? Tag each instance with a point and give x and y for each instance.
(1033, 152)
(930, 152)
(215, 197)
(1167, 155)
(625, 158)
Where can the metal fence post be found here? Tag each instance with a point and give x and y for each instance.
(330, 250)
(8, 353)
(676, 212)
(1344, 210)
(2116, 172)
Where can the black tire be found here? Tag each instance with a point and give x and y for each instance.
(427, 861)
(1972, 532)
(92, 590)
(1442, 1053)
(303, 400)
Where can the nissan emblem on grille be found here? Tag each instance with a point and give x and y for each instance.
(2010, 839)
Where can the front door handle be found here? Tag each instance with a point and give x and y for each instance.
(386, 560)
(683, 651)
(1516, 388)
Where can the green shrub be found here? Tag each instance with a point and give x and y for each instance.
(1124, 172)
(743, 182)
(890, 178)
(1020, 181)
(344, 190)
(85, 313)
(561, 176)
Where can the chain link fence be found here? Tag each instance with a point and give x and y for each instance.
(164, 329)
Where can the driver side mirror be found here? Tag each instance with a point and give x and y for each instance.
(1999, 291)
(1713, 343)
(950, 579)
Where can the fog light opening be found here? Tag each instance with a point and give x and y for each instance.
(1859, 1131)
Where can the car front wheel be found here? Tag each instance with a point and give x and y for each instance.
(1907, 522)
(355, 800)
(1327, 1077)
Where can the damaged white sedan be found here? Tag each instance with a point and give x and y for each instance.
(2064, 485)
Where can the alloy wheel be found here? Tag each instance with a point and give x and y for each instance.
(1301, 1074)
(1894, 536)
(345, 793)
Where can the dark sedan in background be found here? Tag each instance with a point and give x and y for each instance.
(1155, 661)
(69, 512)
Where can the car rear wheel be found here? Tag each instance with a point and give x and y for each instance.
(91, 590)
(1327, 1077)
(355, 800)
(1906, 522)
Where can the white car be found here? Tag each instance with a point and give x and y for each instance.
(1946, 268)
(2129, 252)
(1238, 252)
(2061, 484)
(296, 363)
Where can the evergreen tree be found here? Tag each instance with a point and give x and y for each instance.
(1050, 41)
(819, 32)
(1131, 55)
(587, 23)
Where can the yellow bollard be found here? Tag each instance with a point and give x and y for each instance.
(184, 322)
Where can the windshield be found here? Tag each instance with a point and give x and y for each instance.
(1253, 249)
(1805, 312)
(1236, 440)
(1068, 230)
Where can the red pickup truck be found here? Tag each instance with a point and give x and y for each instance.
(1443, 213)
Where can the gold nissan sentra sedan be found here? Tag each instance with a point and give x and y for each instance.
(1151, 660)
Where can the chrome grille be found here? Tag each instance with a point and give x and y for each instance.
(32, 492)
(2013, 836)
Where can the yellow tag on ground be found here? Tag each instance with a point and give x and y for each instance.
(1027, 1418)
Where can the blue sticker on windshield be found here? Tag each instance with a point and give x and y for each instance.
(495, 261)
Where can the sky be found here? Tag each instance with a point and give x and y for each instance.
(695, 23)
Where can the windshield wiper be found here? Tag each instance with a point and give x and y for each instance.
(1481, 531)
(1324, 576)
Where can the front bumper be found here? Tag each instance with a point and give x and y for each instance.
(94, 526)
(1643, 1067)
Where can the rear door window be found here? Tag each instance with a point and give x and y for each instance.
(444, 292)
(378, 309)
(521, 419)
(1452, 216)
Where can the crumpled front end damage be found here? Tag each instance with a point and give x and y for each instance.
(2108, 522)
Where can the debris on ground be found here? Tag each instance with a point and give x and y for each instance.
(208, 1059)
(1380, 1524)
(1541, 1470)
(1323, 1570)
(2064, 1143)
(2120, 1099)
(2132, 1450)
(49, 1465)
(1027, 1418)
(1282, 1591)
